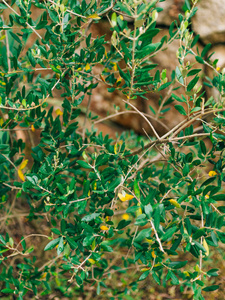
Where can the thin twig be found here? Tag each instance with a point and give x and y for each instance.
(157, 237)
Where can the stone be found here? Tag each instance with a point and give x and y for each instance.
(218, 53)
(209, 21)
(171, 10)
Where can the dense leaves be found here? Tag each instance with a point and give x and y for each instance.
(92, 196)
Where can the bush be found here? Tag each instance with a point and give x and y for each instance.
(79, 209)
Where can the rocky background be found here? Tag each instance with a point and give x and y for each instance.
(208, 23)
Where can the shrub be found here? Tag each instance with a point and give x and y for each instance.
(96, 207)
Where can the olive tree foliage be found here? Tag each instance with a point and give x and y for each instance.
(141, 208)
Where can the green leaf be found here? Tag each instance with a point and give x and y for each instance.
(15, 37)
(106, 247)
(211, 288)
(145, 51)
(144, 275)
(2, 6)
(148, 210)
(60, 247)
(179, 75)
(169, 233)
(52, 244)
(7, 291)
(213, 272)
(177, 264)
(2, 240)
(88, 240)
(180, 109)
(136, 189)
(83, 164)
(199, 59)
(192, 83)
(193, 72)
(174, 278)
(143, 234)
(114, 19)
(123, 223)
(72, 243)
(90, 217)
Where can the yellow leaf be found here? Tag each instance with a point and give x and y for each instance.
(103, 227)
(153, 254)
(145, 269)
(186, 273)
(206, 196)
(102, 78)
(125, 217)
(115, 148)
(119, 79)
(205, 245)
(174, 203)
(107, 218)
(23, 165)
(43, 276)
(217, 68)
(126, 197)
(94, 16)
(115, 67)
(59, 112)
(212, 173)
(139, 211)
(21, 176)
(32, 128)
(1, 121)
(121, 17)
(92, 261)
(87, 67)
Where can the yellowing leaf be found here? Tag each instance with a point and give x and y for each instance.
(174, 203)
(126, 197)
(212, 173)
(1, 121)
(21, 176)
(153, 254)
(87, 67)
(186, 273)
(43, 276)
(150, 241)
(115, 148)
(94, 16)
(145, 269)
(103, 227)
(107, 218)
(205, 245)
(121, 17)
(92, 261)
(23, 165)
(59, 112)
(102, 78)
(119, 79)
(115, 67)
(125, 217)
(139, 211)
(32, 128)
